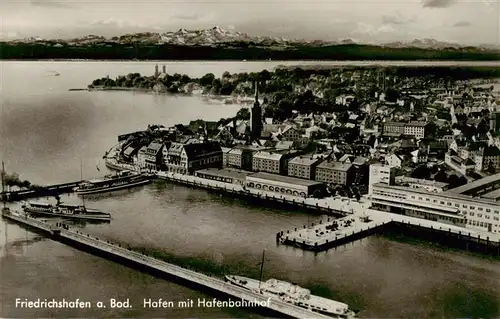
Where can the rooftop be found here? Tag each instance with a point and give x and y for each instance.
(284, 179)
(268, 155)
(225, 172)
(304, 160)
(335, 165)
(416, 123)
(445, 194)
(475, 185)
(492, 195)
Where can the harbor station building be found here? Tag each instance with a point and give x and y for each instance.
(285, 185)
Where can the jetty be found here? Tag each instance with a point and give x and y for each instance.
(327, 234)
(63, 233)
(42, 191)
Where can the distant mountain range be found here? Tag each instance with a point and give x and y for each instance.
(218, 36)
(219, 44)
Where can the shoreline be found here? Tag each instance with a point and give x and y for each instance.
(223, 98)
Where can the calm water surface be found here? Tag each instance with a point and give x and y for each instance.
(47, 132)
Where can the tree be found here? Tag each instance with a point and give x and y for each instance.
(207, 79)
(391, 95)
(243, 114)
(264, 75)
(421, 172)
(441, 177)
(216, 86)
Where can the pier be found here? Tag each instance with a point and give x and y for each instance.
(90, 243)
(323, 235)
(42, 191)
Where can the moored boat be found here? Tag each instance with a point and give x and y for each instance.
(293, 294)
(65, 211)
(120, 180)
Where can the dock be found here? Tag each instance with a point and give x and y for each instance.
(331, 233)
(327, 234)
(42, 191)
(90, 243)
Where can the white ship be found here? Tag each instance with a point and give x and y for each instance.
(294, 294)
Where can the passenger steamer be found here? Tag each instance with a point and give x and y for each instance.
(65, 211)
(121, 180)
(293, 294)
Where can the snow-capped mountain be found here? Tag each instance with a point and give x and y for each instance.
(423, 44)
(218, 36)
(206, 37)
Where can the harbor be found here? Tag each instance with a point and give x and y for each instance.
(196, 227)
(116, 252)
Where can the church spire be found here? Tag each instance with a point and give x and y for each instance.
(256, 103)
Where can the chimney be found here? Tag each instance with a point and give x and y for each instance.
(156, 70)
(164, 69)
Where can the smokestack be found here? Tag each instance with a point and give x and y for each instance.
(156, 70)
(164, 69)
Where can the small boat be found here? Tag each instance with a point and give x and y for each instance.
(293, 294)
(65, 211)
(120, 180)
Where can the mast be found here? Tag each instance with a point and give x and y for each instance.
(261, 267)
(3, 184)
(81, 179)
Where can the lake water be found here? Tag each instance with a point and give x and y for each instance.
(46, 133)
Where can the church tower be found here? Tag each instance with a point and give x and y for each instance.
(256, 115)
(493, 121)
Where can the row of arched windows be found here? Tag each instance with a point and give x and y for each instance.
(283, 190)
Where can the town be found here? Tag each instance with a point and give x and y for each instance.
(423, 144)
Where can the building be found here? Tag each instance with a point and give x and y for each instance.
(486, 157)
(463, 166)
(416, 129)
(226, 175)
(446, 207)
(225, 155)
(393, 128)
(394, 160)
(380, 173)
(290, 133)
(240, 157)
(271, 162)
(303, 167)
(256, 116)
(151, 157)
(430, 186)
(333, 172)
(187, 158)
(284, 185)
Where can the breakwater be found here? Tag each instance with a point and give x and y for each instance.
(43, 191)
(86, 242)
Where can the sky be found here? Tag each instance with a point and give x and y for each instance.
(369, 21)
